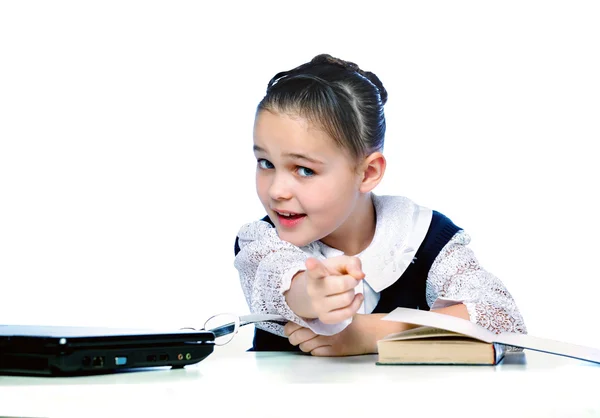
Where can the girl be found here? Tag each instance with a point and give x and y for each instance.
(331, 256)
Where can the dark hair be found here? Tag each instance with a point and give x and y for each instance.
(336, 95)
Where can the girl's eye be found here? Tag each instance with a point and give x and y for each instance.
(264, 164)
(305, 172)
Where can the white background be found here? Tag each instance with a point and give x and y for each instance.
(126, 165)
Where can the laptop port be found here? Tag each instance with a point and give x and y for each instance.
(120, 361)
(163, 357)
(151, 357)
(98, 361)
(86, 361)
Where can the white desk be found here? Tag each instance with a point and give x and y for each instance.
(529, 384)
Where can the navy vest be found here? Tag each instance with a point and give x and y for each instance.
(407, 292)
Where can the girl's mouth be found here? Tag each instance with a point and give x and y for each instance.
(289, 220)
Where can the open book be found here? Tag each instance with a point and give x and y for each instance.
(444, 339)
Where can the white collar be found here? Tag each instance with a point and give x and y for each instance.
(401, 226)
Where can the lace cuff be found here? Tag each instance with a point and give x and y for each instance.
(266, 266)
(494, 319)
(480, 315)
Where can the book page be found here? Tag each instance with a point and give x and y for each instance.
(549, 346)
(422, 332)
(437, 320)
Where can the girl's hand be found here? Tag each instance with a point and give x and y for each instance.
(330, 286)
(355, 339)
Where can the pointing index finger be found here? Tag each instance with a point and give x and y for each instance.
(347, 265)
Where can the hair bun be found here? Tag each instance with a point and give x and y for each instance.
(348, 65)
(328, 59)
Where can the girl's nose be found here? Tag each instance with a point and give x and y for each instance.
(280, 188)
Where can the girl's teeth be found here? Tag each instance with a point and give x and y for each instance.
(287, 215)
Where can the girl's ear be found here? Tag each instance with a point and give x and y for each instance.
(372, 170)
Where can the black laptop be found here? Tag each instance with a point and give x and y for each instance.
(65, 350)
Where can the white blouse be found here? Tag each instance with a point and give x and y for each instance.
(266, 265)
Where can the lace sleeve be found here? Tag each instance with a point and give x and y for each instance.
(266, 266)
(456, 276)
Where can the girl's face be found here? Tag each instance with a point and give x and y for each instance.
(307, 184)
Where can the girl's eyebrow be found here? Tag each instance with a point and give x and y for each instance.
(293, 155)
(296, 156)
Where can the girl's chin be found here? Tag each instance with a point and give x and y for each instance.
(294, 239)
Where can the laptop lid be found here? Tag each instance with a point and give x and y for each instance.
(67, 350)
